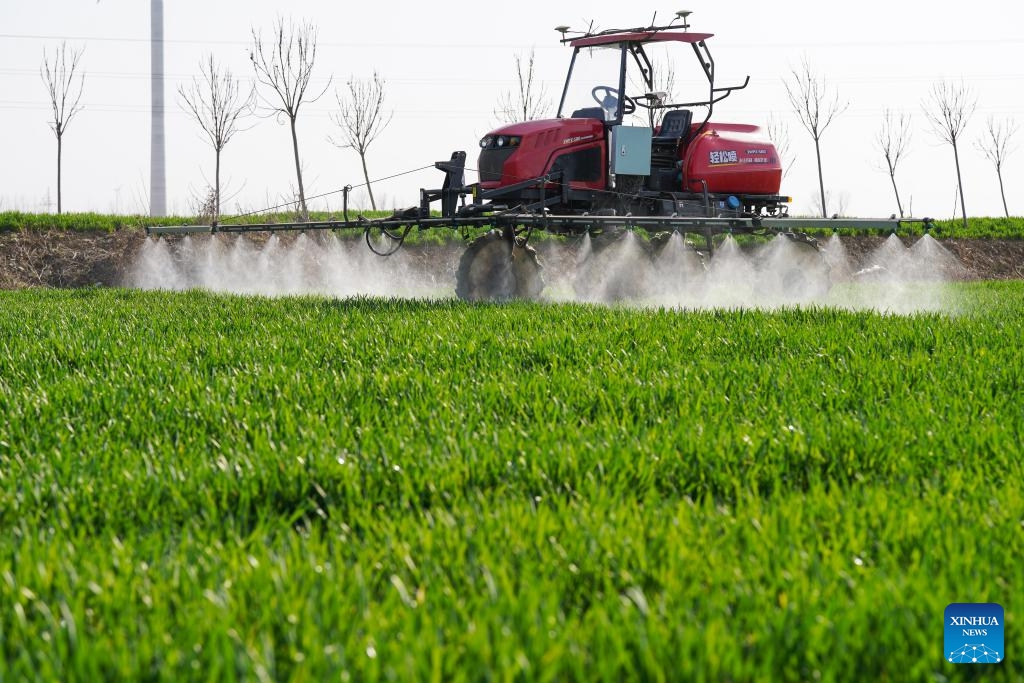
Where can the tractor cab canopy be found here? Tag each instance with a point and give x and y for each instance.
(626, 76)
(639, 37)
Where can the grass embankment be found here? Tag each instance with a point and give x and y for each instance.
(977, 228)
(209, 487)
(97, 222)
(1007, 228)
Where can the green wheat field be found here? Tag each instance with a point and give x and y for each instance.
(207, 487)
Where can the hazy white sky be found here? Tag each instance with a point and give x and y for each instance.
(447, 63)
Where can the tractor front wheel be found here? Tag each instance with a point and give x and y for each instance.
(494, 268)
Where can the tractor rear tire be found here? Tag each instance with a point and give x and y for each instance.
(493, 269)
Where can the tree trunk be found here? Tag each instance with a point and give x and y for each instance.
(821, 180)
(892, 177)
(1002, 192)
(366, 175)
(58, 174)
(959, 183)
(216, 189)
(298, 172)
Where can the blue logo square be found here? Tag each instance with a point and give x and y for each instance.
(974, 633)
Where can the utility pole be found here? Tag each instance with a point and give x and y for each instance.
(157, 162)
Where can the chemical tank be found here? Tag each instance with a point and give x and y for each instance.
(732, 158)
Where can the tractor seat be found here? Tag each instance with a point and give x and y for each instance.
(589, 113)
(674, 127)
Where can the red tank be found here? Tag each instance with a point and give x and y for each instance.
(732, 158)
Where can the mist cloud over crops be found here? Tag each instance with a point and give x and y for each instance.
(625, 271)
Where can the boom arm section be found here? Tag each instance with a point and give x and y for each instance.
(486, 211)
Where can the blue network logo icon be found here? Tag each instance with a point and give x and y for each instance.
(974, 654)
(974, 633)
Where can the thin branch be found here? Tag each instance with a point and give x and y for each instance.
(954, 104)
(216, 102)
(996, 144)
(285, 65)
(59, 78)
(778, 133)
(811, 100)
(361, 116)
(529, 101)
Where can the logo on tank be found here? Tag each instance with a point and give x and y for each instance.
(724, 156)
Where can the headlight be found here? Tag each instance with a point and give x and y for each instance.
(500, 141)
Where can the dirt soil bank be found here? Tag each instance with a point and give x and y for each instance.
(83, 259)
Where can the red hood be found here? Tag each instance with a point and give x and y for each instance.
(569, 126)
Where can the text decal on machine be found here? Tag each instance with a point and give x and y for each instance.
(725, 156)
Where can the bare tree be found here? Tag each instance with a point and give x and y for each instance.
(817, 107)
(778, 133)
(284, 65)
(893, 141)
(58, 74)
(217, 104)
(663, 80)
(663, 83)
(529, 101)
(953, 107)
(361, 119)
(996, 146)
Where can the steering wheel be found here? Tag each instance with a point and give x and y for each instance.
(603, 92)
